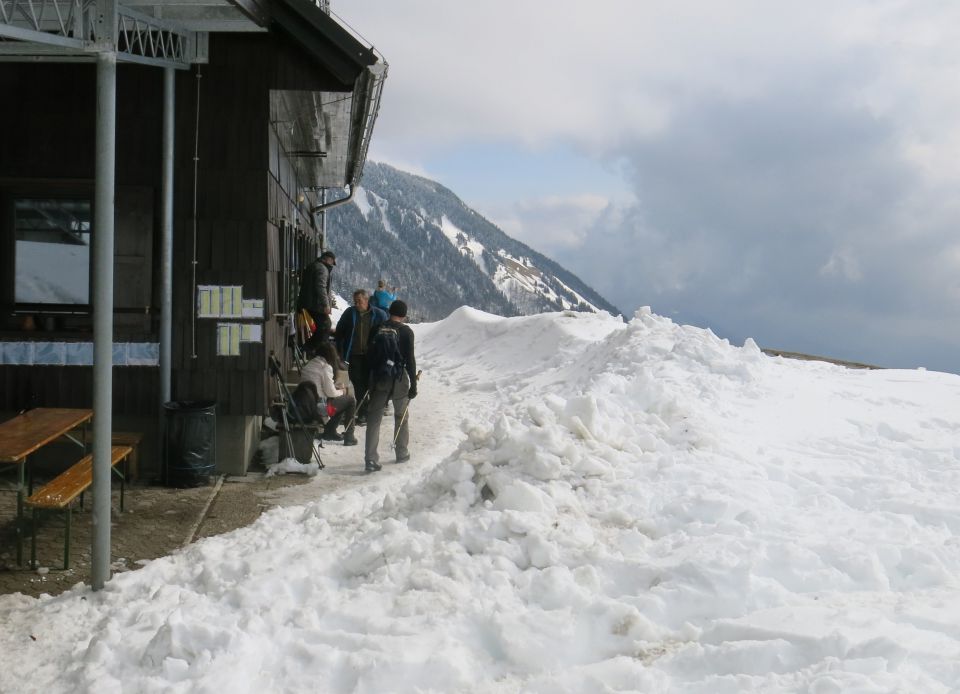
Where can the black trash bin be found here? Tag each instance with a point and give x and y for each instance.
(189, 442)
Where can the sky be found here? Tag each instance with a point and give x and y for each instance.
(781, 171)
(646, 508)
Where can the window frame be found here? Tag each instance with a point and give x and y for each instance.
(10, 192)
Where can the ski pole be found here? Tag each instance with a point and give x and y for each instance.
(356, 409)
(403, 417)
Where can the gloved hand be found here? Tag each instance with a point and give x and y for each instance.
(413, 392)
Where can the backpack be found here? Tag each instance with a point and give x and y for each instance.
(386, 360)
(306, 296)
(304, 401)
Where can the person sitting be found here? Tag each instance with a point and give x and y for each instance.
(383, 297)
(340, 405)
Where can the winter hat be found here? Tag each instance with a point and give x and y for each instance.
(329, 254)
(399, 309)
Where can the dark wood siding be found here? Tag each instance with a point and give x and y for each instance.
(229, 218)
(246, 190)
(49, 149)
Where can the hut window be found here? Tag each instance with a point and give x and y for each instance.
(52, 240)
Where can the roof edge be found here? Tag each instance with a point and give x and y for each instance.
(323, 37)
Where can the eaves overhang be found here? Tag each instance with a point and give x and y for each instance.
(326, 134)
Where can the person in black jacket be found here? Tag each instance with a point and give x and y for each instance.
(401, 390)
(354, 329)
(317, 297)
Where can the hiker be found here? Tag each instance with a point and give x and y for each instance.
(316, 296)
(393, 370)
(383, 297)
(354, 329)
(339, 404)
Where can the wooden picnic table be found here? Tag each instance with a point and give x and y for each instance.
(28, 432)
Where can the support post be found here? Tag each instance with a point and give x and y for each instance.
(104, 186)
(166, 241)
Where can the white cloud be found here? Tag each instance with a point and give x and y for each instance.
(843, 264)
(551, 223)
(598, 73)
(794, 165)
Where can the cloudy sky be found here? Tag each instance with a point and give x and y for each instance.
(781, 170)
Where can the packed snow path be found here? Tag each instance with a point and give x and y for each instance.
(592, 507)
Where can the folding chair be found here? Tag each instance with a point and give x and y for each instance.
(288, 407)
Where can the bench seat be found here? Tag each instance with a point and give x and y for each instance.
(132, 439)
(59, 493)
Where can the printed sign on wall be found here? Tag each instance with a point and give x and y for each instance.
(219, 302)
(215, 301)
(230, 335)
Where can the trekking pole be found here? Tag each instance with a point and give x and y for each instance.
(357, 409)
(403, 417)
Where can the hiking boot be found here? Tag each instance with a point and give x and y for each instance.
(403, 458)
(361, 420)
(349, 440)
(331, 436)
(371, 466)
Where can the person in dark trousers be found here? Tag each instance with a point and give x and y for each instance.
(353, 336)
(317, 297)
(401, 391)
(319, 373)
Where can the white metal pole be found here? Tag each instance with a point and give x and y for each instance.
(105, 176)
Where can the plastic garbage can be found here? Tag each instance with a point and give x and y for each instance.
(189, 442)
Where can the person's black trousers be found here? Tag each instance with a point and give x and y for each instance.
(360, 378)
(322, 333)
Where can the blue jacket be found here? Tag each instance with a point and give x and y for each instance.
(383, 299)
(347, 328)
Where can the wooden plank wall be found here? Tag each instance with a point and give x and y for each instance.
(135, 388)
(49, 146)
(231, 212)
(232, 232)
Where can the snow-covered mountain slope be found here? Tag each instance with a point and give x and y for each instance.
(591, 506)
(419, 236)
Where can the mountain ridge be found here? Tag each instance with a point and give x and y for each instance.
(420, 236)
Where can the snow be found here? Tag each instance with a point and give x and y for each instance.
(464, 242)
(518, 278)
(383, 205)
(52, 273)
(362, 202)
(592, 506)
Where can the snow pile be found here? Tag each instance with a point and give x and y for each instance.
(638, 507)
(289, 466)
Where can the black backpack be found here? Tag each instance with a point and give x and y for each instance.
(305, 398)
(386, 360)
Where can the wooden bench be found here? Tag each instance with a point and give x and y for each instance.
(132, 439)
(59, 494)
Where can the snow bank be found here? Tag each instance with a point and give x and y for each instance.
(639, 507)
